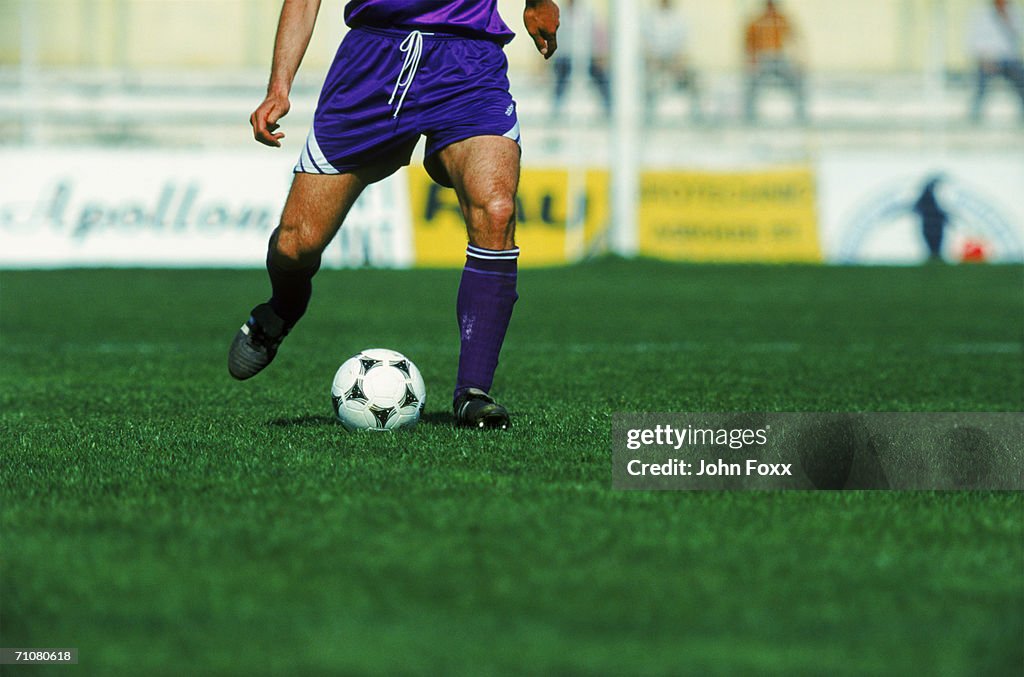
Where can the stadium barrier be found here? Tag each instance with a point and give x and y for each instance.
(102, 207)
(867, 204)
(551, 228)
(761, 216)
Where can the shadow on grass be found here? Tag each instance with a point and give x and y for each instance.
(433, 418)
(437, 418)
(307, 421)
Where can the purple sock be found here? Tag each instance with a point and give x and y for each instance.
(486, 296)
(291, 288)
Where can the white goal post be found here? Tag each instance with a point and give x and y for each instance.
(627, 101)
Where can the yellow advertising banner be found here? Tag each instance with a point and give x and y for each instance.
(766, 216)
(550, 230)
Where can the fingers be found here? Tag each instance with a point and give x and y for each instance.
(546, 43)
(552, 45)
(541, 20)
(541, 43)
(264, 126)
(264, 132)
(275, 139)
(258, 120)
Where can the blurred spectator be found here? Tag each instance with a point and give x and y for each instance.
(770, 43)
(934, 218)
(667, 40)
(995, 33)
(581, 39)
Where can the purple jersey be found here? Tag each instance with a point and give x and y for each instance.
(472, 18)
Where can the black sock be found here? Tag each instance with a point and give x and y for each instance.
(291, 288)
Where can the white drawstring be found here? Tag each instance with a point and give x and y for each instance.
(412, 47)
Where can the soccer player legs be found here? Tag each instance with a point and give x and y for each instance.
(315, 209)
(485, 173)
(358, 138)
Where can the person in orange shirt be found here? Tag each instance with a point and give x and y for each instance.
(770, 44)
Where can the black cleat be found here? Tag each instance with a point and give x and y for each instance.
(476, 409)
(256, 343)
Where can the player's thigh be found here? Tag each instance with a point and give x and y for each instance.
(317, 205)
(485, 173)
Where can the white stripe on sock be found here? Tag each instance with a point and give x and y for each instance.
(492, 254)
(481, 250)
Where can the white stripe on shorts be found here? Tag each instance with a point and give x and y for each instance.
(312, 160)
(513, 133)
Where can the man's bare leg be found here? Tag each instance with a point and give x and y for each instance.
(316, 207)
(485, 173)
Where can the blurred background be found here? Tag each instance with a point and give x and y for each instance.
(843, 131)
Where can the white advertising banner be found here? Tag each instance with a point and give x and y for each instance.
(888, 208)
(106, 207)
(99, 207)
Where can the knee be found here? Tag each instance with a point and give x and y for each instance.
(501, 212)
(493, 222)
(291, 249)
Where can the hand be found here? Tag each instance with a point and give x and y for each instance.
(264, 119)
(541, 20)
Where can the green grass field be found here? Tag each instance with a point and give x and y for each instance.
(167, 520)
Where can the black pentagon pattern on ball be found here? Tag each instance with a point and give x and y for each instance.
(382, 415)
(410, 397)
(356, 393)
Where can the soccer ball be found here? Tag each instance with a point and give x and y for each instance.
(378, 389)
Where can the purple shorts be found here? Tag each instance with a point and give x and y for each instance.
(387, 88)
